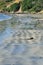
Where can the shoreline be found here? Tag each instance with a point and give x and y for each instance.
(34, 15)
(21, 12)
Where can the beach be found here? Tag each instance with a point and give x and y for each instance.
(21, 40)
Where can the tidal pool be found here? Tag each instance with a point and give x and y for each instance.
(21, 40)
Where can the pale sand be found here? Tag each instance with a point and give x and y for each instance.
(16, 49)
(22, 46)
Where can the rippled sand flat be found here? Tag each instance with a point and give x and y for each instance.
(21, 44)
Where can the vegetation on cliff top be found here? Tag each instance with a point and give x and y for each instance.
(26, 5)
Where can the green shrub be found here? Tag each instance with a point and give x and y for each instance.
(32, 5)
(37, 8)
(6, 9)
(26, 5)
(15, 7)
(2, 3)
(8, 0)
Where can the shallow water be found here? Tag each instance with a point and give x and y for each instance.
(4, 17)
(21, 41)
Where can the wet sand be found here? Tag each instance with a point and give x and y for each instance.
(21, 43)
